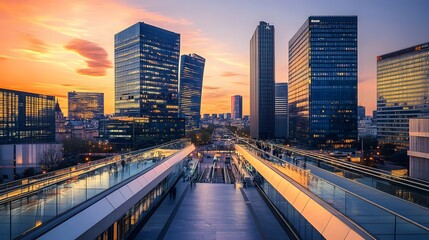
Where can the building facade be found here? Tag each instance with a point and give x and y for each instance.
(419, 148)
(262, 72)
(85, 105)
(146, 72)
(323, 63)
(26, 117)
(60, 124)
(27, 131)
(402, 93)
(236, 106)
(190, 89)
(281, 110)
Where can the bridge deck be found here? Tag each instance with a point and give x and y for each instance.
(218, 211)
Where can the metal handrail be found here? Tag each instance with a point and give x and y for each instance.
(348, 192)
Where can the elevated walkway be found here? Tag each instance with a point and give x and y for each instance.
(357, 207)
(80, 192)
(215, 211)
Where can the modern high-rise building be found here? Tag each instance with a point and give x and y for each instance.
(190, 88)
(26, 117)
(262, 69)
(146, 72)
(236, 106)
(323, 63)
(85, 105)
(281, 110)
(146, 87)
(402, 92)
(361, 112)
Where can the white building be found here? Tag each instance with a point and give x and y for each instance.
(419, 148)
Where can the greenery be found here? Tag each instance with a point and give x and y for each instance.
(201, 136)
(241, 132)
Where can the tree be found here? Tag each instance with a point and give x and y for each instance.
(51, 158)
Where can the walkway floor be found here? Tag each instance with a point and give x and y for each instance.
(218, 211)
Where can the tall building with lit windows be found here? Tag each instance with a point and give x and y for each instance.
(402, 93)
(146, 88)
(323, 78)
(262, 72)
(26, 117)
(190, 89)
(146, 72)
(236, 106)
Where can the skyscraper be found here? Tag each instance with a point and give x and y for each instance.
(323, 82)
(146, 72)
(402, 92)
(190, 88)
(262, 82)
(236, 106)
(146, 88)
(85, 105)
(361, 112)
(281, 110)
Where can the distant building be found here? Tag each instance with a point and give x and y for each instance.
(323, 60)
(227, 115)
(26, 117)
(236, 106)
(281, 110)
(262, 74)
(419, 148)
(221, 116)
(27, 131)
(83, 129)
(361, 113)
(85, 105)
(367, 127)
(60, 124)
(402, 92)
(190, 88)
(126, 133)
(206, 116)
(214, 115)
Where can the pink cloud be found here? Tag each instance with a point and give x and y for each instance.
(97, 57)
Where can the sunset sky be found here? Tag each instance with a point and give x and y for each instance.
(53, 47)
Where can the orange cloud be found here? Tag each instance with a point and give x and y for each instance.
(97, 57)
(35, 44)
(230, 74)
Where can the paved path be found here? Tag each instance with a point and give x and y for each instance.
(218, 211)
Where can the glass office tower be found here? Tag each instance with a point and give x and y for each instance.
(26, 117)
(323, 59)
(146, 72)
(190, 88)
(85, 105)
(402, 92)
(236, 106)
(281, 111)
(262, 82)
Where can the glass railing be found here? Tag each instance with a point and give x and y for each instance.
(380, 222)
(24, 212)
(411, 190)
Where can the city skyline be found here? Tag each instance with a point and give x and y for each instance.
(65, 50)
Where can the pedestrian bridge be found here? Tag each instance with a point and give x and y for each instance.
(155, 194)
